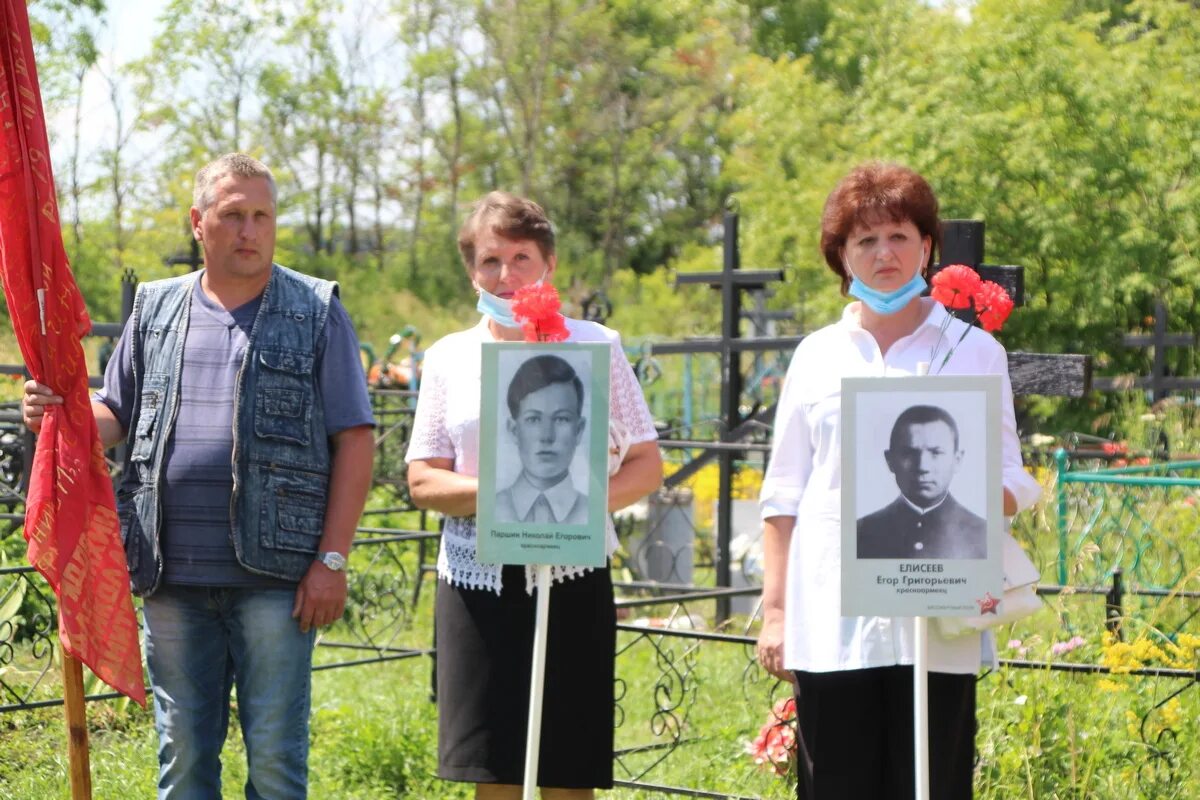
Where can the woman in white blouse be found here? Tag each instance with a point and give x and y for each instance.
(853, 675)
(485, 613)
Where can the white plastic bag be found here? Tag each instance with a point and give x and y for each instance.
(1020, 597)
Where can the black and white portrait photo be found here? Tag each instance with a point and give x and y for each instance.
(541, 466)
(922, 511)
(924, 454)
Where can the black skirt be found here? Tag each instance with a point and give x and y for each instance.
(484, 653)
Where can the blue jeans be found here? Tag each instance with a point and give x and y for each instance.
(202, 641)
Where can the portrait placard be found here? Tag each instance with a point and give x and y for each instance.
(922, 495)
(543, 453)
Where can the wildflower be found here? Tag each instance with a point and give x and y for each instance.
(1133, 725)
(1062, 648)
(1107, 685)
(1171, 714)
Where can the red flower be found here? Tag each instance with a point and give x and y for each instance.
(955, 285)
(535, 301)
(992, 305)
(536, 308)
(783, 710)
(775, 745)
(547, 329)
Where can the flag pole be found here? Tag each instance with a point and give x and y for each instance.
(77, 732)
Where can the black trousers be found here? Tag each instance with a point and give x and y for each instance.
(855, 735)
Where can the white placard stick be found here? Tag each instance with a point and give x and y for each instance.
(921, 688)
(537, 685)
(921, 704)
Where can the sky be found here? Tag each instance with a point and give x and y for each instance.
(125, 37)
(129, 28)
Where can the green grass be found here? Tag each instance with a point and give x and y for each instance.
(1042, 734)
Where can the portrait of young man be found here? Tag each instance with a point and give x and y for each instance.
(925, 521)
(546, 423)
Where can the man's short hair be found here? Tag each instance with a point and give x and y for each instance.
(922, 415)
(538, 373)
(229, 164)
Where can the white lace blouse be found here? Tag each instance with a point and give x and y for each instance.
(447, 426)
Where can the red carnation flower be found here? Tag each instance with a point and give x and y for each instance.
(955, 285)
(536, 308)
(992, 305)
(535, 301)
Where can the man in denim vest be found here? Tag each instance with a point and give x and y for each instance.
(239, 394)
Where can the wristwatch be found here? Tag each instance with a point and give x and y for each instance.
(335, 561)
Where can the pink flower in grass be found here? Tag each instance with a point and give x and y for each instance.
(1062, 648)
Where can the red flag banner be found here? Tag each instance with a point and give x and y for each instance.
(71, 522)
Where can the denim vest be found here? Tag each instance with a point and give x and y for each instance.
(280, 458)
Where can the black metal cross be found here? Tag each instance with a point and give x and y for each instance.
(1158, 381)
(193, 259)
(731, 281)
(1049, 374)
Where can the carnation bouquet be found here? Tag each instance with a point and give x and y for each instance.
(958, 287)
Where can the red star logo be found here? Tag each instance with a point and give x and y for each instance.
(988, 604)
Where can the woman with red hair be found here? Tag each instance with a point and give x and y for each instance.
(853, 675)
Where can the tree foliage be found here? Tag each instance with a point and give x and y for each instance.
(1071, 132)
(1069, 126)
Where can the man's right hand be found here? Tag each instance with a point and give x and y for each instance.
(33, 404)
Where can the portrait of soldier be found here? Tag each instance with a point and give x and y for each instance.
(925, 521)
(546, 422)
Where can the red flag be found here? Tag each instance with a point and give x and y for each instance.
(71, 521)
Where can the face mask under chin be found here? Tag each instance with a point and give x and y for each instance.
(888, 303)
(496, 308)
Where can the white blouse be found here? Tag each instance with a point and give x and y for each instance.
(804, 481)
(447, 426)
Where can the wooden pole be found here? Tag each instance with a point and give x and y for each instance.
(77, 733)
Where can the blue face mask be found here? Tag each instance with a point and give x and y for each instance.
(888, 303)
(497, 309)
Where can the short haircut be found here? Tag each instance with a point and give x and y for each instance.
(229, 164)
(538, 373)
(509, 216)
(871, 193)
(923, 415)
